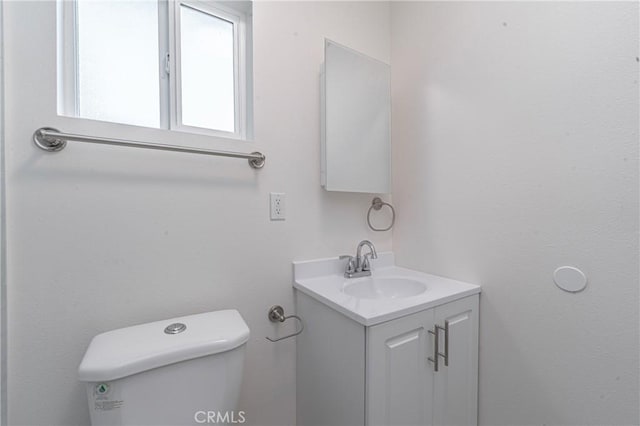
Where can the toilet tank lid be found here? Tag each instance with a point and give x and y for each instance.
(120, 353)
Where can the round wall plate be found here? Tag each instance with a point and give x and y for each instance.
(48, 143)
(570, 279)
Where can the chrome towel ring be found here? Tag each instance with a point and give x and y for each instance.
(376, 204)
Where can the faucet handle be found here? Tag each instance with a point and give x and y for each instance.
(366, 261)
(351, 264)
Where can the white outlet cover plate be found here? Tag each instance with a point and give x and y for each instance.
(277, 206)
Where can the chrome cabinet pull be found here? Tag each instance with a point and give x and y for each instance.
(436, 349)
(444, 355)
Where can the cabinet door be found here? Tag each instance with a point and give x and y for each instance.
(399, 385)
(456, 385)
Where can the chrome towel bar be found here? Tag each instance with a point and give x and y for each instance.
(50, 139)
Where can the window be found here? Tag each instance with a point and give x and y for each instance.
(179, 65)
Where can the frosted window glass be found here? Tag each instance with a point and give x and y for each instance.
(118, 68)
(207, 71)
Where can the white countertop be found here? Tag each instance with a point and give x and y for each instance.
(323, 280)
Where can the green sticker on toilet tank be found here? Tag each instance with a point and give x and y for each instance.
(102, 389)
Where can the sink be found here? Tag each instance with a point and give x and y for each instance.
(383, 288)
(389, 293)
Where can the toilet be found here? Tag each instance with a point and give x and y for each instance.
(181, 371)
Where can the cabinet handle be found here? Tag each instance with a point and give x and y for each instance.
(436, 349)
(445, 355)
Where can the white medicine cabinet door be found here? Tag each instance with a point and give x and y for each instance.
(399, 379)
(356, 122)
(456, 385)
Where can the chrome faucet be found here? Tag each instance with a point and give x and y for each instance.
(360, 266)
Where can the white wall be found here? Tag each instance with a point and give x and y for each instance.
(104, 237)
(3, 269)
(516, 151)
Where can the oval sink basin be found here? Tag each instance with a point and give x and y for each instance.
(383, 288)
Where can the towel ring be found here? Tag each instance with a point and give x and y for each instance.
(376, 204)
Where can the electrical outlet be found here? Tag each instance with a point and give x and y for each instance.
(277, 206)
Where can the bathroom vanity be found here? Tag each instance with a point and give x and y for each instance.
(398, 347)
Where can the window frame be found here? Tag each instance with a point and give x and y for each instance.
(67, 63)
(238, 21)
(168, 64)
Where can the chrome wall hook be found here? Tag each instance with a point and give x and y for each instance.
(276, 314)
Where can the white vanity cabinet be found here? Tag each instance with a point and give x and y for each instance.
(349, 373)
(401, 381)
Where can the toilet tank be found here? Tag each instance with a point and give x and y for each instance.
(181, 371)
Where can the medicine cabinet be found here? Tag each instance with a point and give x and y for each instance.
(355, 122)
